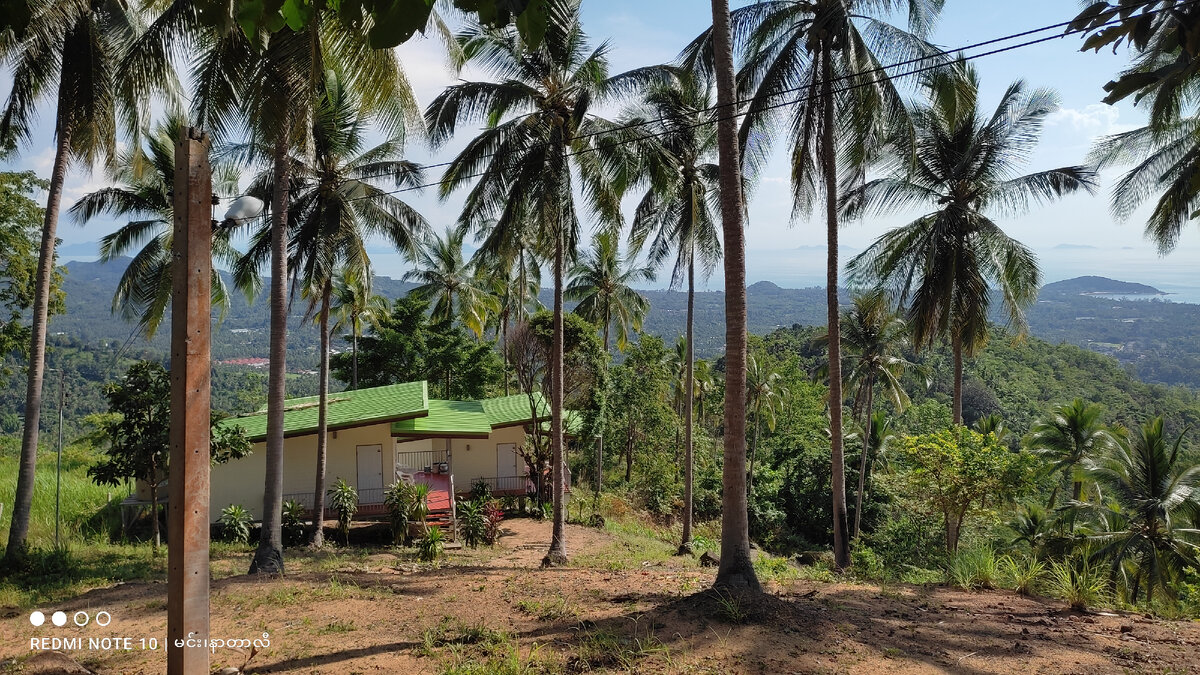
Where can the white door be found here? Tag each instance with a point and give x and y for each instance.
(506, 460)
(370, 467)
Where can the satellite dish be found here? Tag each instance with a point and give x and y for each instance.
(245, 208)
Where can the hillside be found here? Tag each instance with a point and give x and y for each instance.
(1099, 286)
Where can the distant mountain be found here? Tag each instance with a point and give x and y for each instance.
(1099, 286)
(1158, 341)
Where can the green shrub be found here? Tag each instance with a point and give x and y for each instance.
(235, 523)
(431, 545)
(343, 499)
(866, 564)
(1078, 581)
(293, 523)
(471, 523)
(975, 567)
(481, 491)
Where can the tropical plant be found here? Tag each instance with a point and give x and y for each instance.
(418, 505)
(1154, 489)
(481, 490)
(145, 179)
(514, 276)
(833, 130)
(471, 523)
(765, 398)
(1068, 438)
(876, 438)
(1031, 526)
(432, 545)
(66, 49)
(453, 286)
(334, 209)
(398, 499)
(942, 266)
(601, 282)
(292, 522)
(343, 499)
(354, 308)
(493, 515)
(539, 125)
(873, 337)
(992, 424)
(235, 523)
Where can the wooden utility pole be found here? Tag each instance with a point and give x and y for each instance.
(191, 300)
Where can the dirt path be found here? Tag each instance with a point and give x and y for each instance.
(381, 613)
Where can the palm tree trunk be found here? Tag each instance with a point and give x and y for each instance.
(862, 460)
(503, 343)
(736, 569)
(22, 506)
(958, 379)
(354, 356)
(753, 454)
(557, 555)
(268, 558)
(685, 547)
(317, 539)
(155, 534)
(841, 543)
(1077, 492)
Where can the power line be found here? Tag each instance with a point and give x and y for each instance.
(855, 85)
(883, 69)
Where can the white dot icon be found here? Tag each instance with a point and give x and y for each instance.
(37, 618)
(59, 618)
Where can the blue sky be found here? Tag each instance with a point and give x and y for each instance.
(791, 253)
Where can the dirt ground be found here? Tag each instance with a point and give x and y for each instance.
(495, 611)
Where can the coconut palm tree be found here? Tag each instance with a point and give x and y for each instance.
(807, 46)
(678, 212)
(514, 277)
(875, 441)
(765, 397)
(965, 166)
(67, 51)
(873, 336)
(447, 281)
(144, 178)
(736, 569)
(705, 385)
(1067, 438)
(354, 308)
(602, 284)
(537, 146)
(334, 208)
(269, 86)
(1154, 489)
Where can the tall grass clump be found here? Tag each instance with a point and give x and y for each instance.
(81, 498)
(975, 567)
(1078, 581)
(1023, 573)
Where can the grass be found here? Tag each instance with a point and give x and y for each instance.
(81, 499)
(548, 610)
(771, 568)
(51, 576)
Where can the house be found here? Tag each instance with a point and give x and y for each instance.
(380, 434)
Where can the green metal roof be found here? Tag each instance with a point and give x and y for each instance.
(572, 423)
(346, 409)
(455, 419)
(507, 411)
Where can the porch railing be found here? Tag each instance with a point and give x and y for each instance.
(512, 485)
(412, 462)
(367, 497)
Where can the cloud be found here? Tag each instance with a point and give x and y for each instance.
(1093, 120)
